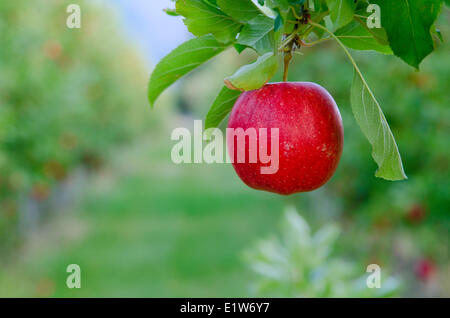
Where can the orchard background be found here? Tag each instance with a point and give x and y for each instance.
(86, 176)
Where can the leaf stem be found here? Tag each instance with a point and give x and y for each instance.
(348, 55)
(318, 18)
(309, 44)
(287, 41)
(360, 16)
(295, 13)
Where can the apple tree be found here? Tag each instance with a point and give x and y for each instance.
(276, 30)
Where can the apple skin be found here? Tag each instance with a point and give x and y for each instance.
(311, 135)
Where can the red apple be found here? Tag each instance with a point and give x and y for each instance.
(425, 269)
(311, 136)
(416, 213)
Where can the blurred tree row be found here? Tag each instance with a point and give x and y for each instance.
(67, 97)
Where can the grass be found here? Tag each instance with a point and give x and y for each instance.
(148, 228)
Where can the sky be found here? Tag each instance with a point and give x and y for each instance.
(155, 32)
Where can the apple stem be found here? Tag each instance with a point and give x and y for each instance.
(293, 41)
(287, 61)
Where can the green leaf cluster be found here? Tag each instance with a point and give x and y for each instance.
(300, 263)
(270, 28)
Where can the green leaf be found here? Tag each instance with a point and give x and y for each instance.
(293, 2)
(266, 44)
(221, 107)
(355, 36)
(408, 24)
(318, 32)
(283, 5)
(210, 2)
(239, 47)
(255, 34)
(437, 33)
(341, 12)
(278, 23)
(240, 10)
(171, 12)
(370, 118)
(181, 61)
(202, 18)
(320, 6)
(361, 15)
(255, 75)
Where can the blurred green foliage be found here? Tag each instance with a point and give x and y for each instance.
(67, 97)
(302, 264)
